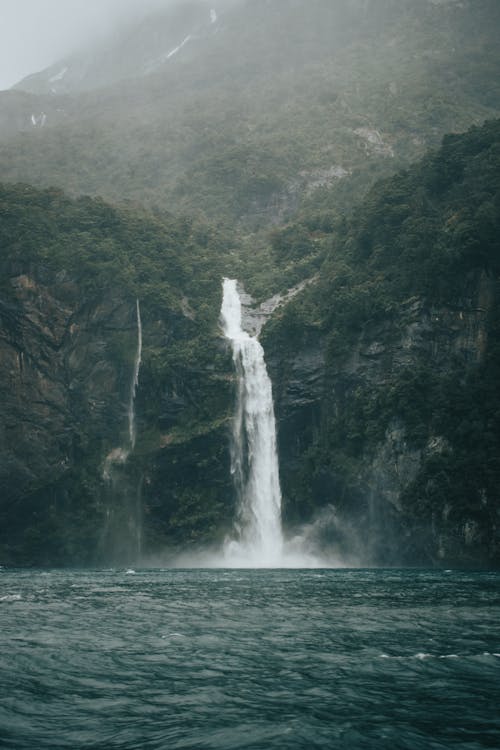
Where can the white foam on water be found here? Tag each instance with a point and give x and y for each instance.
(10, 598)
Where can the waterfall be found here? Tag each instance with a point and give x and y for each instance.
(135, 380)
(254, 460)
(122, 535)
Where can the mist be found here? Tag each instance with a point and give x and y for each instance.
(36, 33)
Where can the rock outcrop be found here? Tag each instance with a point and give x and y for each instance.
(74, 490)
(359, 434)
(64, 400)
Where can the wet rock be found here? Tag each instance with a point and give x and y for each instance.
(371, 478)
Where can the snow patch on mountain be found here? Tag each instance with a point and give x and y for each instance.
(38, 121)
(155, 64)
(178, 48)
(59, 76)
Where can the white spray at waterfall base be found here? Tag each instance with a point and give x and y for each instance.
(258, 538)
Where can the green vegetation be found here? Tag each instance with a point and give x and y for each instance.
(71, 272)
(250, 123)
(254, 154)
(404, 313)
(406, 309)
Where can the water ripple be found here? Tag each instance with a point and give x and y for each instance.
(254, 659)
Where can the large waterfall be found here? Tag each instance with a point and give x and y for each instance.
(254, 457)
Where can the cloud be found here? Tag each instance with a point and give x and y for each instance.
(36, 33)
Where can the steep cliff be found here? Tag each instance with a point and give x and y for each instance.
(73, 490)
(386, 369)
(385, 364)
(64, 394)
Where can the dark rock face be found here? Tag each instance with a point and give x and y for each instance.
(387, 403)
(72, 490)
(298, 389)
(64, 398)
(58, 373)
(188, 495)
(366, 494)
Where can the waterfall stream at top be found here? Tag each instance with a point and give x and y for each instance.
(122, 535)
(135, 380)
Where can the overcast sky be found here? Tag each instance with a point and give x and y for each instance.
(36, 33)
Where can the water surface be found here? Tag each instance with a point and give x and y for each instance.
(197, 659)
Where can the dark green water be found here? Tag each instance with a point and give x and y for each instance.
(249, 659)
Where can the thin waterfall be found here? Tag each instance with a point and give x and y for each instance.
(135, 380)
(123, 530)
(254, 459)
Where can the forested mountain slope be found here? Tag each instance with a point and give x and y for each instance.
(386, 370)
(270, 104)
(71, 272)
(242, 138)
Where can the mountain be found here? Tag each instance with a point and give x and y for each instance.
(71, 273)
(271, 106)
(385, 372)
(386, 369)
(299, 148)
(133, 50)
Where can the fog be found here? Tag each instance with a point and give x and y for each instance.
(36, 33)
